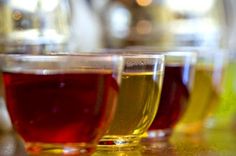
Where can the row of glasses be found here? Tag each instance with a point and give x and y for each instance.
(61, 103)
(66, 103)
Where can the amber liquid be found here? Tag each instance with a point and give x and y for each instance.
(60, 108)
(204, 99)
(174, 97)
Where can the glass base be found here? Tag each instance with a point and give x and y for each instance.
(118, 143)
(42, 149)
(158, 135)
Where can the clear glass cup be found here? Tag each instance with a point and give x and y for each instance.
(61, 104)
(137, 102)
(207, 90)
(177, 84)
(35, 26)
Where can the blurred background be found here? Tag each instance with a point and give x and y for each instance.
(42, 26)
(162, 23)
(84, 25)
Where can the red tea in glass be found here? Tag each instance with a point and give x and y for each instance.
(67, 108)
(59, 107)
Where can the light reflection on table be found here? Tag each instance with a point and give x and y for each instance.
(212, 142)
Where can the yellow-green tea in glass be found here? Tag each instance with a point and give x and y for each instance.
(225, 114)
(206, 92)
(137, 102)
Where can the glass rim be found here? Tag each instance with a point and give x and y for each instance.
(126, 53)
(52, 56)
(57, 56)
(60, 54)
(143, 56)
(180, 53)
(155, 51)
(59, 63)
(201, 49)
(178, 48)
(170, 56)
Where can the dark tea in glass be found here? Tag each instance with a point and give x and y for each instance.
(59, 107)
(177, 81)
(56, 105)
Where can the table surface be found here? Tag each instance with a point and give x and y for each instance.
(210, 143)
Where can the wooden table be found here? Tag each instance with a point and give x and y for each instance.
(211, 143)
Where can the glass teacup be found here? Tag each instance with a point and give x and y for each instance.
(137, 102)
(179, 72)
(225, 114)
(61, 104)
(207, 89)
